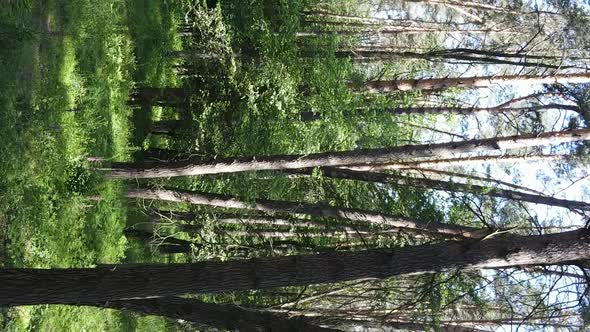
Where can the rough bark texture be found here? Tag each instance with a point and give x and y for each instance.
(471, 82)
(370, 217)
(221, 316)
(344, 158)
(128, 282)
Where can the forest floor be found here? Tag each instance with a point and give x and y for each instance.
(67, 69)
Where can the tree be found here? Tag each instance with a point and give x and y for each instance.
(469, 82)
(364, 216)
(362, 157)
(121, 282)
(426, 183)
(222, 316)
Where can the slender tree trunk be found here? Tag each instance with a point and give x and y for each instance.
(369, 55)
(531, 55)
(470, 5)
(166, 127)
(453, 186)
(437, 173)
(310, 116)
(189, 55)
(165, 245)
(265, 221)
(221, 316)
(470, 82)
(475, 110)
(363, 216)
(364, 157)
(152, 95)
(128, 282)
(507, 158)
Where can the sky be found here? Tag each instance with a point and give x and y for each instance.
(538, 175)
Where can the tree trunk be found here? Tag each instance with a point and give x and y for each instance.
(164, 96)
(470, 5)
(475, 110)
(221, 316)
(364, 157)
(369, 217)
(440, 174)
(425, 183)
(507, 158)
(469, 82)
(368, 55)
(264, 221)
(128, 282)
(165, 245)
(166, 127)
(310, 116)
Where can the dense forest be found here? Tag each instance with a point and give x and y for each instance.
(294, 165)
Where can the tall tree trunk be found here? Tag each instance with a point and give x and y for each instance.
(363, 216)
(164, 96)
(267, 221)
(452, 186)
(166, 127)
(310, 116)
(475, 110)
(506, 158)
(469, 82)
(221, 316)
(369, 55)
(439, 174)
(363, 157)
(128, 282)
(470, 5)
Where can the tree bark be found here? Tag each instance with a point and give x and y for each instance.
(363, 157)
(129, 282)
(469, 82)
(507, 158)
(369, 217)
(367, 55)
(166, 127)
(221, 316)
(310, 116)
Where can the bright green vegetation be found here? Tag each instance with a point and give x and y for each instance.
(66, 74)
(68, 70)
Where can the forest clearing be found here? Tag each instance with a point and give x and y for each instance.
(294, 165)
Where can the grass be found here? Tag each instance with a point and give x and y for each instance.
(67, 72)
